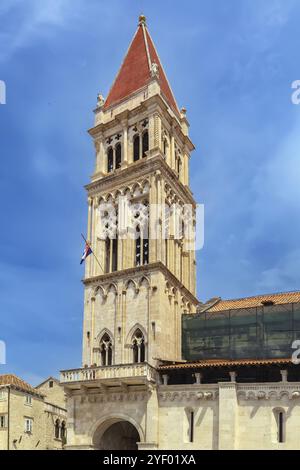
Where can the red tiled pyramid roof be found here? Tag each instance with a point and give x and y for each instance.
(134, 73)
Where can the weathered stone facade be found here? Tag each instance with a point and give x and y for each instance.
(30, 415)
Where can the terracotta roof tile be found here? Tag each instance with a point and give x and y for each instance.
(224, 362)
(14, 381)
(134, 73)
(256, 301)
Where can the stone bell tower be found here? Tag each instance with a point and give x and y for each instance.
(141, 219)
(137, 287)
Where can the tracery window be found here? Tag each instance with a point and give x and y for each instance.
(138, 346)
(106, 350)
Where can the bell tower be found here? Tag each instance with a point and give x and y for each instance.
(141, 217)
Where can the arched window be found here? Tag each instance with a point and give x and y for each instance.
(145, 144)
(118, 151)
(280, 421)
(136, 148)
(138, 346)
(63, 431)
(56, 430)
(106, 350)
(110, 160)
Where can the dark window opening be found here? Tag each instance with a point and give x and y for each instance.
(165, 147)
(136, 148)
(138, 248)
(192, 427)
(178, 166)
(110, 160)
(118, 156)
(145, 251)
(280, 427)
(57, 426)
(51, 384)
(63, 430)
(115, 254)
(145, 144)
(138, 251)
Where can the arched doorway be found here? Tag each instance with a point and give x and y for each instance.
(120, 435)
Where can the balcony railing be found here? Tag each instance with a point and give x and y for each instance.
(124, 371)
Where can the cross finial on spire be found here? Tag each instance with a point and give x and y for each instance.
(142, 19)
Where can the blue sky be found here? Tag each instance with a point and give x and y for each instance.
(231, 64)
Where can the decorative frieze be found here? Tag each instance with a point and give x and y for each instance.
(268, 392)
(187, 396)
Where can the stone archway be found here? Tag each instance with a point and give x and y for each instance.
(116, 435)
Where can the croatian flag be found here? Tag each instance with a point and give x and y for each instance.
(86, 253)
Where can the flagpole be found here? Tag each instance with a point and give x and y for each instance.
(92, 252)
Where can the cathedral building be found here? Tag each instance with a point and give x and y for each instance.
(145, 382)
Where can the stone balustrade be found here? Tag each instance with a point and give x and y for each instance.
(123, 371)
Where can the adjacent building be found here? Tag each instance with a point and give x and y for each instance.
(31, 418)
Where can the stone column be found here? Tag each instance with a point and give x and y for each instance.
(172, 149)
(151, 421)
(284, 375)
(70, 405)
(125, 143)
(228, 409)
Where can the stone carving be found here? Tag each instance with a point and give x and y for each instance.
(268, 393)
(100, 101)
(188, 396)
(154, 70)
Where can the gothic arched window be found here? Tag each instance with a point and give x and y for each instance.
(110, 160)
(57, 426)
(118, 151)
(138, 346)
(145, 143)
(106, 350)
(136, 148)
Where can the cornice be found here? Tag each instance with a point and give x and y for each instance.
(140, 169)
(141, 270)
